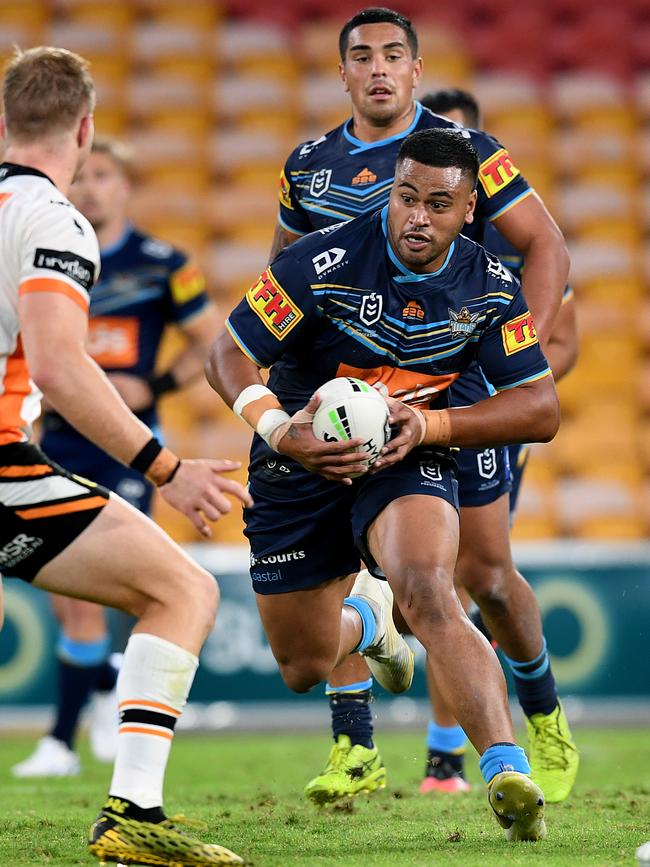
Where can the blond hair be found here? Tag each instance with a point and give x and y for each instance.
(46, 90)
(119, 152)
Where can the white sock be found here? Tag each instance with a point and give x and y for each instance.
(152, 689)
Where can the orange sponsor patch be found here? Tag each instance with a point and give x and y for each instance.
(408, 386)
(113, 340)
(186, 283)
(518, 334)
(365, 176)
(413, 310)
(497, 171)
(284, 193)
(273, 305)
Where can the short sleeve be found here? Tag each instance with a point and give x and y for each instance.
(292, 215)
(59, 254)
(188, 294)
(500, 183)
(275, 313)
(509, 352)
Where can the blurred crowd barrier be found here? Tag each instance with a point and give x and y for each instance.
(594, 600)
(213, 98)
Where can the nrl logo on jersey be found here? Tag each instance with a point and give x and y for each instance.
(328, 260)
(306, 149)
(320, 183)
(462, 324)
(371, 307)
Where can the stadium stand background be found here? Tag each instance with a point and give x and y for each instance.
(214, 96)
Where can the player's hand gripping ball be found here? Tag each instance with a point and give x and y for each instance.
(351, 408)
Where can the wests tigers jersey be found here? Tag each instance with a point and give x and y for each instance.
(340, 303)
(338, 177)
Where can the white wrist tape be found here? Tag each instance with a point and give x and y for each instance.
(248, 395)
(269, 422)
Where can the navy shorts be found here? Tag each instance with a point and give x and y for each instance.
(483, 474)
(79, 456)
(305, 530)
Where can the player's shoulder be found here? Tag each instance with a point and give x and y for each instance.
(307, 152)
(430, 120)
(155, 250)
(485, 264)
(332, 244)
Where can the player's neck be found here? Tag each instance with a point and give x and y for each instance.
(367, 130)
(58, 165)
(110, 232)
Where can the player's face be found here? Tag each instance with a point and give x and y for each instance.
(101, 190)
(380, 72)
(427, 209)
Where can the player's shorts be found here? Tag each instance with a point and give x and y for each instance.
(519, 455)
(84, 458)
(483, 474)
(305, 530)
(43, 508)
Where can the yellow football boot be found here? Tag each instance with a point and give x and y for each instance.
(350, 770)
(518, 805)
(554, 758)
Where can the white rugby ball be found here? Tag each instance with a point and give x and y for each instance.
(351, 408)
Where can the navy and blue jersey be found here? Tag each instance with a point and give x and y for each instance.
(338, 177)
(145, 284)
(340, 303)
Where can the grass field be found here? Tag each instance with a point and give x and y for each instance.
(248, 790)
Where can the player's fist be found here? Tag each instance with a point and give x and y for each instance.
(198, 491)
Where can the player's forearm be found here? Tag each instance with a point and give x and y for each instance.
(545, 275)
(562, 349)
(528, 413)
(80, 391)
(228, 370)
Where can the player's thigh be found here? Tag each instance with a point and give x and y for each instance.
(485, 554)
(305, 623)
(80, 620)
(124, 560)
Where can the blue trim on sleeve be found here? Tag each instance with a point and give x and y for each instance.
(535, 376)
(512, 202)
(290, 228)
(240, 343)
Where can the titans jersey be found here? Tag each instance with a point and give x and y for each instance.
(340, 303)
(338, 177)
(145, 284)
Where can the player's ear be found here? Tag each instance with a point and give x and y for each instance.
(343, 77)
(471, 204)
(417, 72)
(85, 131)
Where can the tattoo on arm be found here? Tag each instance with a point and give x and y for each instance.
(281, 239)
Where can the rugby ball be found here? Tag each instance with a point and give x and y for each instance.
(351, 408)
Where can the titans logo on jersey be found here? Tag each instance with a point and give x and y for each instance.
(338, 177)
(342, 304)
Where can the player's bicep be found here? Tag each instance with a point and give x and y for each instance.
(53, 329)
(526, 220)
(282, 238)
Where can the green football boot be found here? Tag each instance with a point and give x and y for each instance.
(350, 770)
(553, 755)
(518, 805)
(120, 841)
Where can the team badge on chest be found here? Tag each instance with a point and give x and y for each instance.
(320, 183)
(463, 323)
(371, 307)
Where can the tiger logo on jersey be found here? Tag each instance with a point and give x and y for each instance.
(496, 172)
(273, 305)
(518, 334)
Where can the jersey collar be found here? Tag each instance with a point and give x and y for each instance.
(360, 146)
(12, 170)
(121, 241)
(407, 276)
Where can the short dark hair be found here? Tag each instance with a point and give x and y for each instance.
(442, 101)
(378, 15)
(442, 148)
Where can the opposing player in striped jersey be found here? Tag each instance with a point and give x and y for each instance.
(146, 286)
(347, 172)
(445, 739)
(58, 530)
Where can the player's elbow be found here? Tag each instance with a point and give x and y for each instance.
(547, 416)
(215, 359)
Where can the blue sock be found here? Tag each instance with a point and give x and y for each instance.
(350, 709)
(368, 622)
(80, 665)
(446, 739)
(503, 757)
(534, 683)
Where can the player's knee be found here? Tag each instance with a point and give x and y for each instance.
(205, 598)
(424, 591)
(300, 675)
(486, 581)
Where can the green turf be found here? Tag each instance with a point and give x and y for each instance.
(248, 790)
